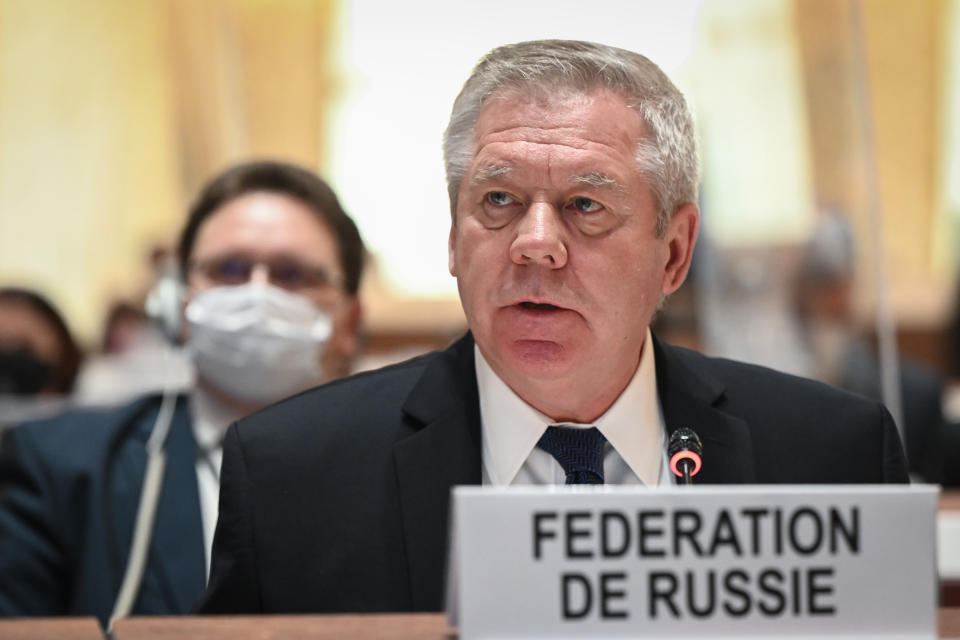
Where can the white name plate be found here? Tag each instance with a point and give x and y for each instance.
(694, 562)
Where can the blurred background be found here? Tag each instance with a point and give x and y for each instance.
(829, 132)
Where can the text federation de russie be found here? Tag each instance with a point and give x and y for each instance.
(790, 543)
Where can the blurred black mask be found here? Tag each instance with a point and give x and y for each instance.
(21, 372)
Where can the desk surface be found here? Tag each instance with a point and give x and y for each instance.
(950, 500)
(361, 627)
(948, 546)
(420, 626)
(430, 626)
(50, 629)
(948, 623)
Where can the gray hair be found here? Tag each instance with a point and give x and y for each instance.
(667, 154)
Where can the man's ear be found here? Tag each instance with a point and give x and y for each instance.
(452, 251)
(353, 320)
(680, 236)
(166, 305)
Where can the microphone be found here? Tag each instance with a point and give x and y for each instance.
(684, 451)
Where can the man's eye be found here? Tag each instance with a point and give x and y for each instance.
(500, 198)
(586, 205)
(230, 270)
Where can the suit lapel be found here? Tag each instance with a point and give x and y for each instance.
(442, 453)
(175, 567)
(692, 399)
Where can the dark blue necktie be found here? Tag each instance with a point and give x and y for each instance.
(579, 452)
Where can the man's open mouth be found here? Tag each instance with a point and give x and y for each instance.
(539, 306)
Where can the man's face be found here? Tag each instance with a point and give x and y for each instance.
(289, 247)
(555, 249)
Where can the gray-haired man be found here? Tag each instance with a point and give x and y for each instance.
(572, 173)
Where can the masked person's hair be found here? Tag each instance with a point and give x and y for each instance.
(288, 180)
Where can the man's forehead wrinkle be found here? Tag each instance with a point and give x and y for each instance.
(507, 153)
(541, 134)
(564, 134)
(554, 160)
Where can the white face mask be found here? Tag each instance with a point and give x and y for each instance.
(257, 342)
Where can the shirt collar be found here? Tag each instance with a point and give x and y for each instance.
(210, 418)
(511, 427)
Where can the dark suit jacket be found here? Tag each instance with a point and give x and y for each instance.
(336, 500)
(921, 393)
(69, 488)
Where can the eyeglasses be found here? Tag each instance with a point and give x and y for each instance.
(284, 272)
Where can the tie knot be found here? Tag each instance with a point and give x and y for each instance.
(579, 452)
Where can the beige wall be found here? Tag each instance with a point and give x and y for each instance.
(88, 171)
(113, 112)
(905, 58)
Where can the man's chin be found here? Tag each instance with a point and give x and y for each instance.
(536, 358)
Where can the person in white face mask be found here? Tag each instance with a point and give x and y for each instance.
(269, 308)
(266, 305)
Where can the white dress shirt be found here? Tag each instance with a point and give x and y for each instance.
(210, 420)
(635, 452)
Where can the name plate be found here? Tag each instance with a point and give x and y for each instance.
(694, 562)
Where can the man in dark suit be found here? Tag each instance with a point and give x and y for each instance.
(840, 356)
(271, 266)
(572, 175)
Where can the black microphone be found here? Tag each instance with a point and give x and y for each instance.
(685, 450)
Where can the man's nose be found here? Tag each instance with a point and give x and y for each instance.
(260, 273)
(540, 237)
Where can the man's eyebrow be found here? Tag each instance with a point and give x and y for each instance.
(597, 179)
(490, 172)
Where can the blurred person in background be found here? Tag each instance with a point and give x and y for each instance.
(39, 359)
(841, 356)
(134, 358)
(38, 355)
(123, 328)
(951, 444)
(267, 304)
